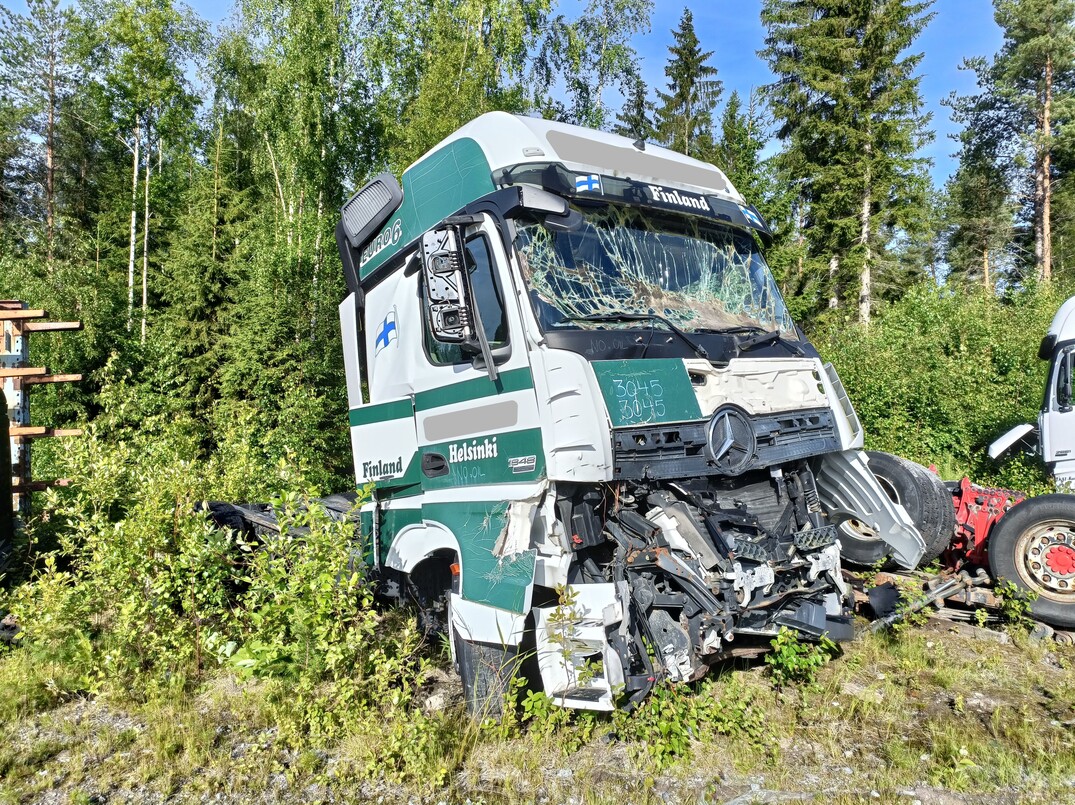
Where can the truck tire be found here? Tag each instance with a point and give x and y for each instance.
(486, 671)
(1033, 547)
(923, 495)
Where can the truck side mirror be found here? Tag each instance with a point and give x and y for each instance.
(445, 289)
(1063, 381)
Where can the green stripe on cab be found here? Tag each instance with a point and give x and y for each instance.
(380, 412)
(439, 185)
(499, 458)
(511, 380)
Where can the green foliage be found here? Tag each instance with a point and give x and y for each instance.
(635, 119)
(672, 718)
(940, 375)
(979, 218)
(1014, 131)
(144, 593)
(685, 116)
(848, 107)
(1015, 603)
(591, 53)
(738, 151)
(793, 661)
(910, 610)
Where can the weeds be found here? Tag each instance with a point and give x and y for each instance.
(1015, 603)
(238, 664)
(794, 662)
(672, 719)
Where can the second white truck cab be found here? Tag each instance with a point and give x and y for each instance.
(1056, 421)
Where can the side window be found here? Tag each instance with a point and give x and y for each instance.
(479, 261)
(1065, 364)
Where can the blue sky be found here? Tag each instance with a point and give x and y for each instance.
(733, 31)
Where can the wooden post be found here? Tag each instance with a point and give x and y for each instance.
(14, 355)
(16, 379)
(7, 512)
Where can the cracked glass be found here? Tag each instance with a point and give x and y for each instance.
(699, 274)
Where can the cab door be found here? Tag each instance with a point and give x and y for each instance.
(1058, 411)
(479, 439)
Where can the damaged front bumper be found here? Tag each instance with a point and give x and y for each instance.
(605, 645)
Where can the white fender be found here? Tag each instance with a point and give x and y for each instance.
(416, 542)
(847, 488)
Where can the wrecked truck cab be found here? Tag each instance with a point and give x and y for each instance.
(590, 425)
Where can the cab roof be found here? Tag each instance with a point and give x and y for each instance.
(465, 165)
(508, 140)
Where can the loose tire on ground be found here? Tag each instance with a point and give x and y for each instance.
(1033, 546)
(923, 495)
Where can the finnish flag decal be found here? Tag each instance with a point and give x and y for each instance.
(590, 183)
(386, 332)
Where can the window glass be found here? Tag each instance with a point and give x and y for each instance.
(479, 262)
(702, 275)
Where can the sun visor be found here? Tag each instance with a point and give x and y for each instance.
(623, 161)
(747, 216)
(599, 187)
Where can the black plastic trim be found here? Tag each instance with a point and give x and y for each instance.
(681, 450)
(636, 343)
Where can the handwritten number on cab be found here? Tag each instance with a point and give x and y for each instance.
(639, 400)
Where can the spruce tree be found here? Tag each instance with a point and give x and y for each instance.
(738, 152)
(848, 106)
(635, 119)
(685, 116)
(978, 221)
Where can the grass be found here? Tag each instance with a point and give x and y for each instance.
(924, 709)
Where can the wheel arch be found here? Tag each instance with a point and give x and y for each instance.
(417, 544)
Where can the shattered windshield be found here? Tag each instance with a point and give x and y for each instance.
(699, 274)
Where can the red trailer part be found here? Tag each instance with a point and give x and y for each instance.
(978, 509)
(1029, 542)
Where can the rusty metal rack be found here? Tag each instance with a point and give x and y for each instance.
(17, 378)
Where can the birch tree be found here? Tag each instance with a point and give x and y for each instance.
(143, 51)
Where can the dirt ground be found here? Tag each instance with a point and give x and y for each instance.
(938, 714)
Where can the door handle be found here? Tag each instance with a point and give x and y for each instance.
(434, 465)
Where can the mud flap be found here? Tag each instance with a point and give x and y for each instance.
(848, 490)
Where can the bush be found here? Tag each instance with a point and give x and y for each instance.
(794, 662)
(938, 376)
(142, 594)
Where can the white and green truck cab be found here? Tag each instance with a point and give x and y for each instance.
(595, 439)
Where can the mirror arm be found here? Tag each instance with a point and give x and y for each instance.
(460, 221)
(1064, 390)
(479, 333)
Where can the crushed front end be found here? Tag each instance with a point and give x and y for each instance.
(696, 569)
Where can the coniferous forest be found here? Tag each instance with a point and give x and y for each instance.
(175, 185)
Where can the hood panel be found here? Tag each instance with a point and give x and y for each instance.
(647, 392)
